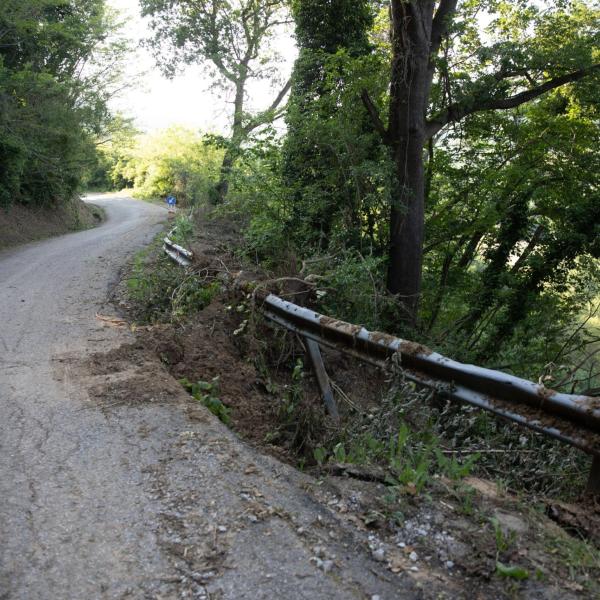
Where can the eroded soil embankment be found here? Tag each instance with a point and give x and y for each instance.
(448, 539)
(21, 224)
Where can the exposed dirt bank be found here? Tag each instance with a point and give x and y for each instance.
(453, 539)
(21, 224)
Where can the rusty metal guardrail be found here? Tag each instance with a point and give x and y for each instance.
(177, 253)
(572, 419)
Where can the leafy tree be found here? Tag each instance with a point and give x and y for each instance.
(177, 160)
(444, 69)
(329, 144)
(53, 93)
(511, 256)
(233, 38)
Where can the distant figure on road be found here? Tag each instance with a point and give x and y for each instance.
(171, 201)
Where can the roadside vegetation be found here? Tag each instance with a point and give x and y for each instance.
(504, 264)
(416, 456)
(510, 271)
(54, 87)
(451, 200)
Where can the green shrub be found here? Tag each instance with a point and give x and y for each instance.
(208, 394)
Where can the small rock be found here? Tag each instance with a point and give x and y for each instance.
(414, 569)
(413, 556)
(319, 551)
(449, 564)
(222, 528)
(379, 554)
(300, 530)
(376, 597)
(401, 545)
(252, 518)
(327, 565)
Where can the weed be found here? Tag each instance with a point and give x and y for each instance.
(514, 572)
(503, 541)
(320, 454)
(161, 291)
(207, 393)
(579, 557)
(465, 494)
(183, 230)
(192, 295)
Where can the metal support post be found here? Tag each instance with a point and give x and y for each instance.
(593, 483)
(314, 353)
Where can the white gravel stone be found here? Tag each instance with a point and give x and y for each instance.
(327, 566)
(379, 554)
(413, 556)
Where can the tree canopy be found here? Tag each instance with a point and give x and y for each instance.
(53, 93)
(438, 171)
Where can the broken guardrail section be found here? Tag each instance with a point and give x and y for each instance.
(572, 419)
(180, 255)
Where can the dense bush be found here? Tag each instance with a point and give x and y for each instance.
(177, 161)
(50, 108)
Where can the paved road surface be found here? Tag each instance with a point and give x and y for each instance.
(69, 504)
(150, 501)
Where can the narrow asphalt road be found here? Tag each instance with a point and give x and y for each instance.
(69, 506)
(152, 498)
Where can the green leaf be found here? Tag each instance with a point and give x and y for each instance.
(512, 571)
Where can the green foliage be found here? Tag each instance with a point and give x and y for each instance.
(514, 572)
(334, 166)
(151, 286)
(184, 227)
(208, 394)
(50, 108)
(161, 291)
(191, 296)
(175, 161)
(354, 291)
(503, 540)
(513, 229)
(411, 457)
(232, 39)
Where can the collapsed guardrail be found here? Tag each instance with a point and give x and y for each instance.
(572, 419)
(177, 253)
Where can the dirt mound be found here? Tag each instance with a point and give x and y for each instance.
(21, 224)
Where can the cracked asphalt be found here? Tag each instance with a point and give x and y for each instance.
(152, 500)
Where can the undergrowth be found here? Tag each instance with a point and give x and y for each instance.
(409, 431)
(208, 394)
(416, 435)
(159, 290)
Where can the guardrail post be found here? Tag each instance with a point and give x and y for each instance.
(314, 353)
(593, 483)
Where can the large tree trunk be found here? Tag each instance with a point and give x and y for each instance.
(407, 216)
(222, 188)
(410, 86)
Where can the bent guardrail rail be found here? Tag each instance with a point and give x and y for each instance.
(177, 253)
(572, 419)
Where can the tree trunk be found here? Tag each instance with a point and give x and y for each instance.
(410, 86)
(222, 188)
(407, 216)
